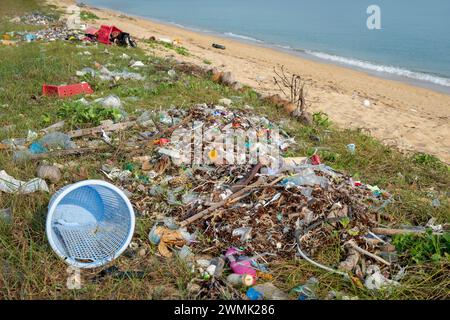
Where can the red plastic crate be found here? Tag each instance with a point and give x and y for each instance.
(91, 31)
(105, 32)
(67, 91)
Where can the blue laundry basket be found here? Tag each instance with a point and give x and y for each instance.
(89, 223)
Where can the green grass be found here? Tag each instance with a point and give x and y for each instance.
(169, 46)
(31, 270)
(87, 15)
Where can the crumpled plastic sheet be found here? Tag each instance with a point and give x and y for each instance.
(9, 184)
(106, 75)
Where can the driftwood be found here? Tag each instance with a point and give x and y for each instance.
(392, 232)
(353, 245)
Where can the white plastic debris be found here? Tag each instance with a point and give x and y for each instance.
(6, 215)
(366, 103)
(116, 173)
(376, 281)
(172, 73)
(138, 64)
(32, 135)
(244, 232)
(105, 137)
(111, 101)
(10, 185)
(225, 101)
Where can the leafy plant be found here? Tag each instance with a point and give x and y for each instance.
(78, 113)
(182, 51)
(424, 247)
(86, 15)
(321, 119)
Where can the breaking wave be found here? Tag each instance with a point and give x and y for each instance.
(239, 36)
(381, 68)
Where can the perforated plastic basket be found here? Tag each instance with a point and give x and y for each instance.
(89, 223)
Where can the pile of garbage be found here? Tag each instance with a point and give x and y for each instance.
(276, 214)
(35, 19)
(53, 33)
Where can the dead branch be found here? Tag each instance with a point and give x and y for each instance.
(293, 87)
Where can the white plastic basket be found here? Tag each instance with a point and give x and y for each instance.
(89, 223)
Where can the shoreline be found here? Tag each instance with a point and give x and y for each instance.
(408, 117)
(310, 55)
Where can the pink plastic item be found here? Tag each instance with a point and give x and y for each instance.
(315, 160)
(104, 33)
(239, 267)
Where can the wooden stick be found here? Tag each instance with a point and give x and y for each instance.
(391, 232)
(205, 212)
(353, 244)
(246, 180)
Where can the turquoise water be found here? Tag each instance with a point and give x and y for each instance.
(413, 43)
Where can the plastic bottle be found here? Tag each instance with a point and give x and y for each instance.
(238, 280)
(266, 291)
(308, 290)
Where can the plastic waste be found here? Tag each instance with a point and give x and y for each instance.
(375, 280)
(351, 148)
(243, 232)
(306, 178)
(6, 215)
(308, 290)
(111, 101)
(49, 173)
(89, 223)
(116, 173)
(172, 73)
(85, 71)
(436, 203)
(239, 264)
(185, 253)
(218, 46)
(55, 140)
(10, 185)
(219, 264)
(137, 64)
(315, 159)
(266, 291)
(37, 148)
(239, 280)
(145, 119)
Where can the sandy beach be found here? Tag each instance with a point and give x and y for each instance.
(408, 117)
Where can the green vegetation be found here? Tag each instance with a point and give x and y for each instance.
(78, 113)
(29, 268)
(170, 46)
(87, 15)
(424, 248)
